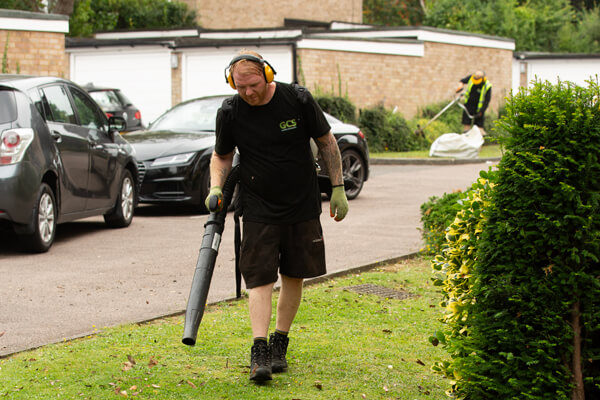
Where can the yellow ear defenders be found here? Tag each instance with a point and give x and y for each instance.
(268, 70)
(476, 81)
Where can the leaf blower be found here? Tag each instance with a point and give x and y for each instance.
(213, 229)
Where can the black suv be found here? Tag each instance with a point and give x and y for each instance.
(61, 159)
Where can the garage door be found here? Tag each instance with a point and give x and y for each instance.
(143, 75)
(203, 69)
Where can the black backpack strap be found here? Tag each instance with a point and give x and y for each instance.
(229, 107)
(301, 93)
(237, 245)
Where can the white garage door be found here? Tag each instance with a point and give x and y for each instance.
(203, 69)
(142, 75)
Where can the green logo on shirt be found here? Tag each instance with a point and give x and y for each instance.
(287, 125)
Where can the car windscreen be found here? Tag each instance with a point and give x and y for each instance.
(8, 106)
(197, 115)
(107, 100)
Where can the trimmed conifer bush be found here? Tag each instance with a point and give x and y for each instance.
(530, 324)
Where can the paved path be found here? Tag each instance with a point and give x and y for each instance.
(95, 277)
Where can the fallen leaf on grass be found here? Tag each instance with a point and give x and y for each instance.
(152, 362)
(127, 366)
(131, 359)
(319, 385)
(191, 384)
(155, 386)
(420, 362)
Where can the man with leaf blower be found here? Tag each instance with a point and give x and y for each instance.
(271, 124)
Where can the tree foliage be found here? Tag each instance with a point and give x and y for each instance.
(535, 25)
(107, 15)
(393, 12)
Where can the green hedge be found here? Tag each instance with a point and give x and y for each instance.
(339, 107)
(529, 322)
(437, 214)
(389, 131)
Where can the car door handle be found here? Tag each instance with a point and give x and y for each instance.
(56, 136)
(95, 145)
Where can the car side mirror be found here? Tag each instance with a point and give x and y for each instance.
(117, 124)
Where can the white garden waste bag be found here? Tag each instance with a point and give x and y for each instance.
(458, 145)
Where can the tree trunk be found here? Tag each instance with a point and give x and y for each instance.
(578, 392)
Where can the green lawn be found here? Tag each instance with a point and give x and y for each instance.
(487, 151)
(344, 345)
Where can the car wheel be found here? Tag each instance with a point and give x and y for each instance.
(354, 170)
(204, 189)
(44, 216)
(122, 215)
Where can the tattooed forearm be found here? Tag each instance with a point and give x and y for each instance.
(220, 166)
(330, 154)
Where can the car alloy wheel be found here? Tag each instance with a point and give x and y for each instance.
(127, 192)
(353, 169)
(122, 215)
(46, 219)
(44, 222)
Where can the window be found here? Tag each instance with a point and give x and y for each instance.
(8, 106)
(60, 109)
(88, 113)
(107, 100)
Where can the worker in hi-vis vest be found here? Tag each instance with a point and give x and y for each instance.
(477, 98)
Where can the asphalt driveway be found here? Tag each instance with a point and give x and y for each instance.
(95, 277)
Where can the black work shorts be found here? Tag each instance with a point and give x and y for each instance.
(296, 251)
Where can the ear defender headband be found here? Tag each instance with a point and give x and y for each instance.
(268, 70)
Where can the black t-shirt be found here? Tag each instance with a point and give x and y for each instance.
(277, 168)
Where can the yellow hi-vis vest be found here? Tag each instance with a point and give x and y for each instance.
(486, 86)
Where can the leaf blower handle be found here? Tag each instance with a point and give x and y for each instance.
(214, 200)
(214, 203)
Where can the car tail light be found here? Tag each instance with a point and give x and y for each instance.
(361, 135)
(108, 115)
(138, 115)
(13, 144)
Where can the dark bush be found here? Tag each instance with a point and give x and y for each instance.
(339, 107)
(387, 131)
(535, 285)
(437, 214)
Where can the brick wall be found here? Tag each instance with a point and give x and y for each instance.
(402, 81)
(35, 53)
(237, 14)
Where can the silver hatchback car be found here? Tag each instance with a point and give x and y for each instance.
(61, 159)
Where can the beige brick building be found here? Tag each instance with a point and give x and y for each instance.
(402, 68)
(405, 82)
(34, 43)
(243, 14)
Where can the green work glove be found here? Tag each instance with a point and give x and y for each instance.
(214, 191)
(338, 205)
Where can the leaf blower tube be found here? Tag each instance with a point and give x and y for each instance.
(206, 260)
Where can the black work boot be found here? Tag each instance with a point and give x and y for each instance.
(278, 344)
(260, 362)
